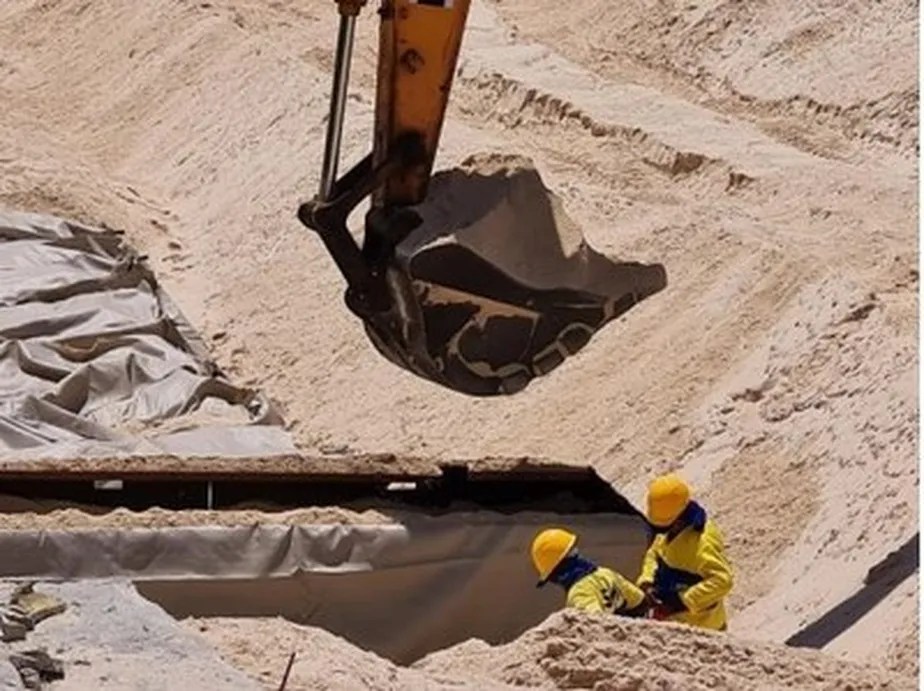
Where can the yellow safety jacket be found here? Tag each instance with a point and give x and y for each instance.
(692, 564)
(604, 590)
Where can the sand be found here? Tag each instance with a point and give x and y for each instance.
(18, 513)
(628, 654)
(261, 648)
(567, 651)
(764, 153)
(111, 638)
(23, 514)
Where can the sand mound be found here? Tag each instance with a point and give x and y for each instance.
(570, 650)
(497, 285)
(567, 651)
(323, 661)
(497, 206)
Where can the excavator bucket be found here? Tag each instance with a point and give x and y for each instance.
(497, 286)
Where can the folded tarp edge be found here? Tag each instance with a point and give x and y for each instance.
(279, 550)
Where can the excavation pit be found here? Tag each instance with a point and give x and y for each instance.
(399, 569)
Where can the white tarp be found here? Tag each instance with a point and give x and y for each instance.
(92, 351)
(401, 589)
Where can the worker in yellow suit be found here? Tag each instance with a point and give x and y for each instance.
(685, 575)
(588, 587)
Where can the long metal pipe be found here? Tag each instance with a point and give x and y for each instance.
(337, 104)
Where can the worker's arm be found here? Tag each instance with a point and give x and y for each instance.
(715, 571)
(605, 591)
(649, 566)
(632, 595)
(585, 598)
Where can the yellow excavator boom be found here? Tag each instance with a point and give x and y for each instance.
(418, 50)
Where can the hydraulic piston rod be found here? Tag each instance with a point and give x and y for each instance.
(338, 99)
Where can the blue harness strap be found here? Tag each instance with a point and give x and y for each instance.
(572, 569)
(669, 582)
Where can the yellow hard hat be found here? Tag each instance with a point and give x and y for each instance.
(668, 496)
(549, 548)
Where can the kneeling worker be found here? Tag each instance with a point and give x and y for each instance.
(588, 587)
(685, 575)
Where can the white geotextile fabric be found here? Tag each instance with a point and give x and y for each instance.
(93, 352)
(401, 589)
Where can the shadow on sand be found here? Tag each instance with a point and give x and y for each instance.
(881, 580)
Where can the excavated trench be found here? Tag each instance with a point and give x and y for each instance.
(400, 570)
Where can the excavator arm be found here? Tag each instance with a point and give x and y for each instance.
(446, 312)
(419, 43)
(418, 49)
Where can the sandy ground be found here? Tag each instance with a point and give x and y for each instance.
(111, 638)
(628, 654)
(625, 655)
(261, 647)
(763, 152)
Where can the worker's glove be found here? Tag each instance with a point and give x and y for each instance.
(640, 611)
(669, 603)
(651, 603)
